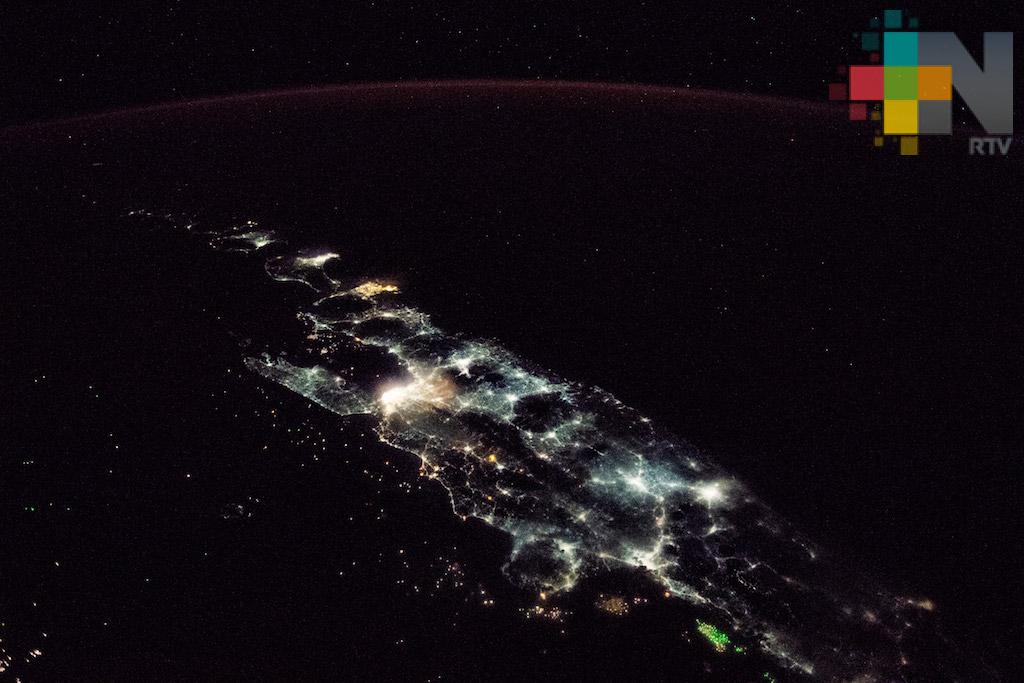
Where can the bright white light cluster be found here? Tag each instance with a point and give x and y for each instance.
(581, 482)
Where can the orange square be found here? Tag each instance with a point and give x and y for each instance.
(908, 146)
(935, 82)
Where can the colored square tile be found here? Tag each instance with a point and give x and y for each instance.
(900, 82)
(935, 83)
(876, 116)
(913, 22)
(935, 117)
(879, 141)
(858, 111)
(869, 41)
(900, 48)
(867, 83)
(893, 18)
(908, 146)
(874, 57)
(837, 91)
(900, 117)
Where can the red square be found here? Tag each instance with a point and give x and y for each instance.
(867, 82)
(837, 91)
(858, 111)
(874, 58)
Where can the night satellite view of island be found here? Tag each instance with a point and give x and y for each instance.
(456, 342)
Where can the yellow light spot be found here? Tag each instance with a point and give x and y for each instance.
(924, 604)
(908, 146)
(900, 117)
(613, 604)
(428, 391)
(372, 288)
(492, 458)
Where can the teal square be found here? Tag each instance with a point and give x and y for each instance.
(893, 18)
(869, 41)
(900, 82)
(913, 22)
(900, 48)
(875, 23)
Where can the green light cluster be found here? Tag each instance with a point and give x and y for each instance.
(715, 636)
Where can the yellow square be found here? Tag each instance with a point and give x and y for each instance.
(908, 146)
(879, 141)
(900, 117)
(935, 83)
(876, 116)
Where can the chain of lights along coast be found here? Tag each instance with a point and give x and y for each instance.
(580, 482)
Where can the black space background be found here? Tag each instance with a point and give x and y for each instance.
(66, 58)
(62, 59)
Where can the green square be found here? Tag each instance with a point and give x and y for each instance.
(901, 82)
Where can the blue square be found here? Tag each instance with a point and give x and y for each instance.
(900, 48)
(894, 18)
